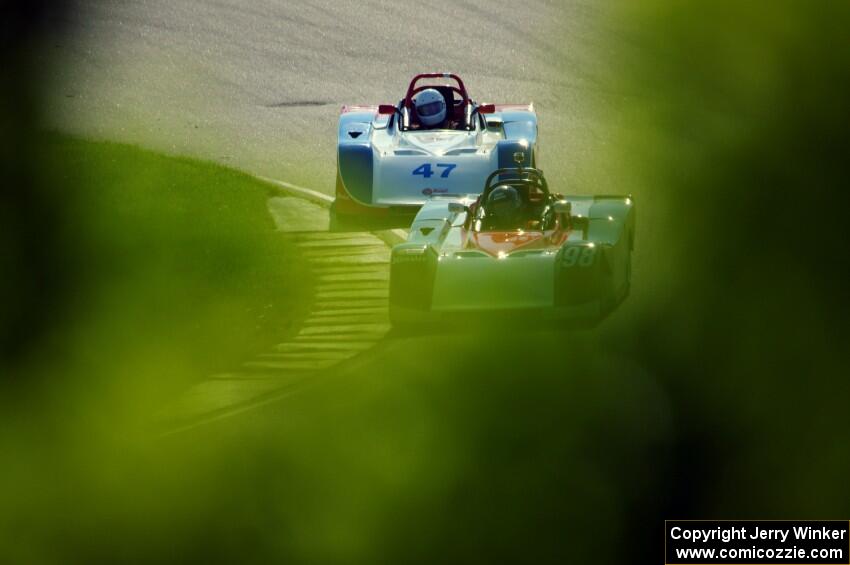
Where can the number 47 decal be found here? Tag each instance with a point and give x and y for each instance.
(427, 172)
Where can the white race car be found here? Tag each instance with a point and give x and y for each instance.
(437, 140)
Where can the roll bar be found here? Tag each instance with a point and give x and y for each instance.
(518, 176)
(412, 89)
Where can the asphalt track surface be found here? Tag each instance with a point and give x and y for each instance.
(258, 85)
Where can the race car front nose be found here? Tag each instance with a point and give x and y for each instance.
(482, 282)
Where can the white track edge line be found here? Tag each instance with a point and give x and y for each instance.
(390, 237)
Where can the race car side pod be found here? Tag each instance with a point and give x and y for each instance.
(582, 274)
(413, 268)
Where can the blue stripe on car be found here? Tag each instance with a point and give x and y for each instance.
(355, 168)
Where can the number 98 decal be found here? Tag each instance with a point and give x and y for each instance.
(578, 256)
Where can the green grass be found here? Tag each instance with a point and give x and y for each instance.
(174, 263)
(722, 394)
(140, 275)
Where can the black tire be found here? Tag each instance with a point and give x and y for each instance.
(628, 284)
(615, 296)
(403, 326)
(609, 301)
(340, 222)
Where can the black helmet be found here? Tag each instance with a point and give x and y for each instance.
(503, 205)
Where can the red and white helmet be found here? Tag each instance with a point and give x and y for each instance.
(430, 106)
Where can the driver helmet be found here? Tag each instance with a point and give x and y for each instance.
(503, 205)
(430, 106)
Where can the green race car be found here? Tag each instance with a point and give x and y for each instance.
(515, 248)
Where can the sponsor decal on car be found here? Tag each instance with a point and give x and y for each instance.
(430, 191)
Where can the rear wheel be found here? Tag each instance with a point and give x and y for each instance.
(627, 282)
(609, 299)
(616, 291)
(341, 222)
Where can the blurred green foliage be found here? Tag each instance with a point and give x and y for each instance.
(165, 259)
(738, 136)
(162, 271)
(717, 391)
